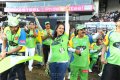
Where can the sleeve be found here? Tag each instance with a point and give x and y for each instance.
(90, 39)
(41, 33)
(36, 31)
(38, 24)
(70, 44)
(22, 38)
(106, 40)
(67, 26)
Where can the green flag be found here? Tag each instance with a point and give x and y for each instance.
(11, 61)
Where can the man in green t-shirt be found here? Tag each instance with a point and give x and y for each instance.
(111, 69)
(95, 49)
(15, 37)
(47, 40)
(80, 47)
(31, 43)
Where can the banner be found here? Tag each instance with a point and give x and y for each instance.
(11, 61)
(50, 9)
(109, 25)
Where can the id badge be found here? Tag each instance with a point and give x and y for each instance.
(62, 50)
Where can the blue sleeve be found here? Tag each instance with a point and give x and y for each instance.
(90, 39)
(36, 31)
(22, 38)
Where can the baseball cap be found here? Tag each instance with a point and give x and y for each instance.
(80, 26)
(47, 22)
(13, 21)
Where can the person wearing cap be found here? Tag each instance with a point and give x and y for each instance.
(16, 38)
(47, 40)
(80, 48)
(95, 49)
(111, 45)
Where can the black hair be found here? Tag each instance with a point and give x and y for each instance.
(76, 32)
(31, 22)
(55, 33)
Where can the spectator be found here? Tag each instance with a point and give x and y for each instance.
(58, 57)
(111, 69)
(15, 36)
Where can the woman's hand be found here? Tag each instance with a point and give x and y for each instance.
(67, 8)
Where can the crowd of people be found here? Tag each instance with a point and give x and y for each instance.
(61, 49)
(106, 17)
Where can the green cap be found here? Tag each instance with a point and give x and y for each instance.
(47, 22)
(80, 26)
(13, 21)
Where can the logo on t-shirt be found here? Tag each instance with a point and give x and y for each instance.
(22, 41)
(117, 45)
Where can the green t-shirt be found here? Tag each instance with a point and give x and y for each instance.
(30, 40)
(15, 40)
(47, 41)
(83, 44)
(114, 48)
(59, 48)
(12, 39)
(95, 47)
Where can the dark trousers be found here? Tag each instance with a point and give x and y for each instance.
(46, 50)
(11, 73)
(57, 70)
(111, 72)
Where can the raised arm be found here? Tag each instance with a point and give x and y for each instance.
(37, 22)
(103, 60)
(97, 35)
(67, 26)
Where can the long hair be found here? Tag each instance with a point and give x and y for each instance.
(55, 32)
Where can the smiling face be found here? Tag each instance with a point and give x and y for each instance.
(60, 30)
(47, 26)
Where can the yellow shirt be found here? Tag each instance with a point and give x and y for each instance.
(39, 38)
(23, 49)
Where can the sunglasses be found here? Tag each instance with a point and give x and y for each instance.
(82, 29)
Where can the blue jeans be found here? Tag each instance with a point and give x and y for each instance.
(38, 50)
(57, 70)
(71, 59)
